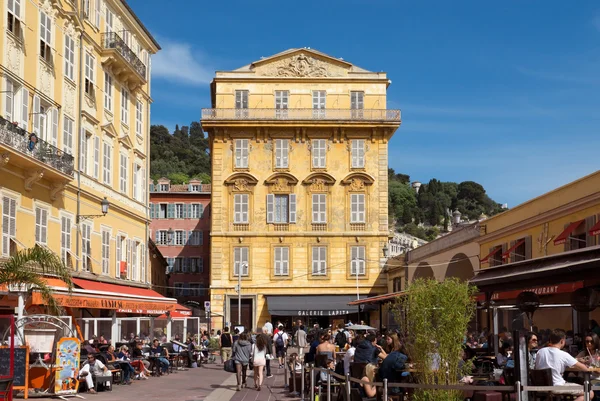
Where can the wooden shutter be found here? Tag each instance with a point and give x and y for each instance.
(8, 101)
(512, 254)
(118, 253)
(24, 108)
(292, 210)
(567, 246)
(590, 240)
(245, 263)
(54, 127)
(170, 211)
(528, 247)
(504, 249)
(270, 208)
(36, 114)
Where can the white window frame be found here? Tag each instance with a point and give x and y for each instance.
(123, 169)
(241, 153)
(9, 223)
(318, 101)
(89, 74)
(14, 17)
(86, 247)
(45, 37)
(319, 208)
(241, 259)
(105, 251)
(319, 153)
(240, 208)
(180, 210)
(197, 210)
(139, 118)
(179, 237)
(357, 100)
(107, 165)
(196, 238)
(160, 207)
(124, 106)
(162, 237)
(358, 260)
(357, 208)
(96, 154)
(9, 102)
(69, 58)
(281, 261)
(108, 91)
(281, 103)
(66, 222)
(282, 152)
(357, 147)
(67, 142)
(319, 260)
(41, 225)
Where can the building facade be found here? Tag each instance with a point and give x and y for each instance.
(181, 231)
(299, 146)
(74, 130)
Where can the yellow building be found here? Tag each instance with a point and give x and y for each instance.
(299, 145)
(75, 106)
(549, 246)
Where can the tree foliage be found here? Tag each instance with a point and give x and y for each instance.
(436, 316)
(181, 156)
(407, 209)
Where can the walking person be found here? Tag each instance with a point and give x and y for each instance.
(225, 343)
(259, 357)
(301, 340)
(242, 350)
(280, 340)
(269, 342)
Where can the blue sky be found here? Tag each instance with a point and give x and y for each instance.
(502, 93)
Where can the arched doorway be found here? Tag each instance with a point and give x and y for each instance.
(460, 266)
(423, 270)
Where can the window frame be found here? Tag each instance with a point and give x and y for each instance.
(89, 74)
(241, 216)
(282, 98)
(282, 153)
(41, 225)
(139, 118)
(69, 58)
(45, 37)
(180, 210)
(241, 256)
(123, 172)
(358, 153)
(319, 272)
(319, 153)
(105, 251)
(319, 99)
(124, 106)
(322, 203)
(9, 231)
(67, 141)
(242, 152)
(66, 221)
(281, 264)
(107, 163)
(358, 263)
(108, 92)
(358, 216)
(13, 23)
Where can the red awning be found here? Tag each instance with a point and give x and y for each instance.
(377, 298)
(596, 229)
(174, 314)
(116, 288)
(512, 248)
(494, 251)
(562, 238)
(544, 290)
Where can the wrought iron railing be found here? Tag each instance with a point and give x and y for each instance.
(303, 114)
(18, 139)
(113, 41)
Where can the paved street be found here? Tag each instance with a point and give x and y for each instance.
(210, 383)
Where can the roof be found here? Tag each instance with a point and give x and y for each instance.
(184, 188)
(141, 24)
(353, 68)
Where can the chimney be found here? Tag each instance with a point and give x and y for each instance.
(416, 186)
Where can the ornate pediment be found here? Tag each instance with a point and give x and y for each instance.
(318, 182)
(357, 181)
(281, 182)
(302, 64)
(241, 182)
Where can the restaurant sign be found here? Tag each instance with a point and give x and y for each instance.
(127, 306)
(322, 312)
(544, 290)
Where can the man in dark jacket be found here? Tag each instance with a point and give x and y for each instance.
(390, 369)
(269, 341)
(367, 351)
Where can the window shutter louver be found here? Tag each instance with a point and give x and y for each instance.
(286, 261)
(590, 240)
(512, 254)
(170, 211)
(528, 247)
(245, 261)
(292, 216)
(270, 208)
(96, 157)
(278, 261)
(24, 108)
(567, 246)
(36, 114)
(37, 224)
(82, 149)
(9, 96)
(118, 253)
(54, 128)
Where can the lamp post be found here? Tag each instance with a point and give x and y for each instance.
(104, 206)
(385, 254)
(239, 290)
(170, 234)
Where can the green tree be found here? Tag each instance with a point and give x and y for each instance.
(28, 267)
(402, 202)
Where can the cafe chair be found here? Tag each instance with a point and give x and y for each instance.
(5, 389)
(543, 377)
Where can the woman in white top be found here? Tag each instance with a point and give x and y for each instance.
(259, 359)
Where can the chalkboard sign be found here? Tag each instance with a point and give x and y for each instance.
(21, 366)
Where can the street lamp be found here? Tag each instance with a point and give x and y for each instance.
(239, 290)
(104, 206)
(385, 253)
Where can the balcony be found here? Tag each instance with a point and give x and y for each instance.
(392, 116)
(42, 159)
(123, 62)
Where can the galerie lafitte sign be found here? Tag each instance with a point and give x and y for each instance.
(104, 303)
(322, 312)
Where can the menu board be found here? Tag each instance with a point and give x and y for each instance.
(21, 366)
(67, 364)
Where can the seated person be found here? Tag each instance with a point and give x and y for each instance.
(323, 375)
(368, 351)
(139, 363)
(505, 354)
(124, 363)
(392, 365)
(93, 368)
(161, 355)
(367, 390)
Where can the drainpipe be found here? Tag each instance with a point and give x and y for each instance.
(79, 126)
(147, 189)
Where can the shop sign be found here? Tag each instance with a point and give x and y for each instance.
(545, 290)
(322, 312)
(113, 304)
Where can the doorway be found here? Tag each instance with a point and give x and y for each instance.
(247, 315)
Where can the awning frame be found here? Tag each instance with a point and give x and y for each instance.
(512, 248)
(494, 251)
(378, 299)
(595, 230)
(565, 235)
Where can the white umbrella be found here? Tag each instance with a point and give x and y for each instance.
(360, 327)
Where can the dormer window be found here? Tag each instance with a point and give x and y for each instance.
(195, 188)
(163, 187)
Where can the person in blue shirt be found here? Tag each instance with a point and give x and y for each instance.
(368, 351)
(392, 365)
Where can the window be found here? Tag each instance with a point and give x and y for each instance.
(107, 165)
(137, 182)
(357, 104)
(241, 104)
(24, 108)
(357, 208)
(45, 37)
(69, 57)
(281, 103)
(179, 237)
(162, 237)
(90, 65)
(109, 20)
(133, 272)
(123, 176)
(358, 261)
(9, 224)
(41, 225)
(8, 102)
(520, 251)
(163, 187)
(195, 188)
(319, 208)
(179, 211)
(143, 262)
(196, 290)
(65, 240)
(14, 17)
(83, 151)
(53, 114)
(282, 261)
(139, 108)
(86, 247)
(282, 149)
(358, 153)
(197, 210)
(121, 258)
(67, 135)
(178, 266)
(162, 211)
(178, 289)
(319, 261)
(196, 265)
(241, 153)
(97, 10)
(240, 261)
(96, 157)
(195, 238)
(105, 251)
(319, 152)
(318, 104)
(281, 208)
(108, 99)
(496, 258)
(86, 7)
(240, 209)
(124, 106)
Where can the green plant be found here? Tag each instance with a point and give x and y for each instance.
(213, 344)
(436, 316)
(28, 267)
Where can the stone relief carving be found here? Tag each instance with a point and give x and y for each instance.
(69, 98)
(318, 185)
(69, 29)
(4, 159)
(302, 66)
(356, 184)
(46, 7)
(46, 79)
(34, 176)
(14, 53)
(240, 185)
(281, 184)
